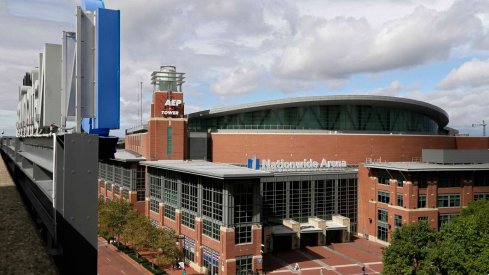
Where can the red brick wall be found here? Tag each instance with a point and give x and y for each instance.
(368, 204)
(472, 142)
(354, 148)
(157, 138)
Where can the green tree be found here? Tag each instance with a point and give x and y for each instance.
(408, 248)
(463, 247)
(113, 217)
(165, 245)
(138, 231)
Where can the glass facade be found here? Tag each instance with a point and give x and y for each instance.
(124, 176)
(347, 117)
(301, 197)
(243, 212)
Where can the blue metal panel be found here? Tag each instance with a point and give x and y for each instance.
(92, 5)
(108, 70)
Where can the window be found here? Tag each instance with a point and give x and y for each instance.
(243, 203)
(212, 200)
(448, 182)
(382, 232)
(211, 229)
(244, 265)
(139, 182)
(382, 215)
(154, 205)
(422, 201)
(397, 221)
(154, 186)
(116, 189)
(382, 225)
(324, 199)
(400, 199)
(300, 198)
(422, 219)
(169, 141)
(383, 196)
(347, 200)
(481, 196)
(383, 180)
(170, 195)
(170, 212)
(242, 234)
(188, 219)
(141, 196)
(274, 196)
(189, 193)
(400, 182)
(481, 179)
(449, 200)
(243, 212)
(422, 183)
(444, 218)
(211, 260)
(125, 193)
(189, 248)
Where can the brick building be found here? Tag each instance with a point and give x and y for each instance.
(435, 189)
(316, 184)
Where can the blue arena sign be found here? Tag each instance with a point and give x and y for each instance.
(306, 164)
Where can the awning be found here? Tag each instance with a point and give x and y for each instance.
(281, 230)
(309, 228)
(331, 225)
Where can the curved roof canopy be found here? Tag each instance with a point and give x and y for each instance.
(431, 111)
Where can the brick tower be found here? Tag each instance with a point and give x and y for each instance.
(167, 126)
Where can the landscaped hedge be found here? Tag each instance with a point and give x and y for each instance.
(141, 260)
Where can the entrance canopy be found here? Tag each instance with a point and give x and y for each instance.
(331, 225)
(309, 228)
(281, 230)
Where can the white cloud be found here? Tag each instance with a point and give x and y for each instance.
(233, 48)
(391, 90)
(474, 73)
(343, 46)
(240, 81)
(463, 107)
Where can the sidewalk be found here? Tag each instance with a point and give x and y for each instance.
(189, 270)
(113, 261)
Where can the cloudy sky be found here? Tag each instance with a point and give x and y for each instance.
(245, 51)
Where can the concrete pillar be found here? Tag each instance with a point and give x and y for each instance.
(345, 222)
(296, 227)
(319, 223)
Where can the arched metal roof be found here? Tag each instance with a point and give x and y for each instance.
(432, 111)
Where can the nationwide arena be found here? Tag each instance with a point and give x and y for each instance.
(242, 181)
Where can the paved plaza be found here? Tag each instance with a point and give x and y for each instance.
(338, 258)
